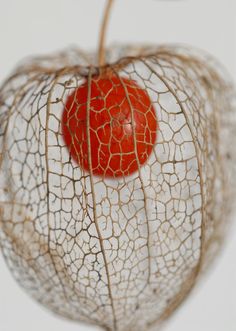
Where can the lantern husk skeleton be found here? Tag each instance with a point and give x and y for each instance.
(119, 253)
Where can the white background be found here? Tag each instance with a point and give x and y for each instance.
(35, 27)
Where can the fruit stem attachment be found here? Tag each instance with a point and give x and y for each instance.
(101, 50)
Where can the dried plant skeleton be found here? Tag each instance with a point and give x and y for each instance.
(121, 253)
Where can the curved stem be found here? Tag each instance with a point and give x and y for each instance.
(101, 50)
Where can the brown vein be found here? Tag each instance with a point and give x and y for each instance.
(94, 201)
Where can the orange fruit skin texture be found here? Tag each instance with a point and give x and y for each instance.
(121, 124)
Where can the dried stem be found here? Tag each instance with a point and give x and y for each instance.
(101, 50)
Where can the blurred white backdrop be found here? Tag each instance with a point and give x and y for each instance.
(36, 27)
